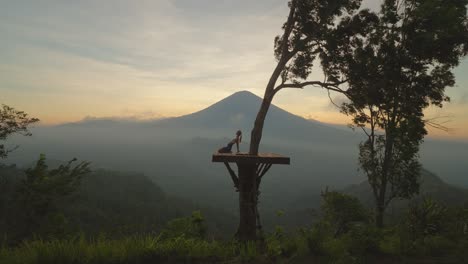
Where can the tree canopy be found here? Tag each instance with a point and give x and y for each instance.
(13, 121)
(310, 25)
(400, 62)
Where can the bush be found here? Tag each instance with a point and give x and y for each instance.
(317, 237)
(191, 227)
(362, 240)
(426, 219)
(336, 249)
(278, 244)
(437, 246)
(342, 211)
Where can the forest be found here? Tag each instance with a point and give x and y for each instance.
(131, 196)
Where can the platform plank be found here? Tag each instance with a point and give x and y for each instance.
(243, 157)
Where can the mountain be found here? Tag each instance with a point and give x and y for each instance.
(176, 152)
(239, 110)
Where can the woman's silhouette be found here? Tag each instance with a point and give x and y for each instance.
(236, 140)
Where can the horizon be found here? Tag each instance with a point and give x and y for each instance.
(139, 120)
(81, 60)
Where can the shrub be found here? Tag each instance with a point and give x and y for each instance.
(316, 238)
(190, 227)
(362, 239)
(427, 218)
(278, 244)
(336, 250)
(342, 211)
(437, 246)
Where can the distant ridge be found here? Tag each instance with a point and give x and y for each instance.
(431, 186)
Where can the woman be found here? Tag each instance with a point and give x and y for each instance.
(236, 140)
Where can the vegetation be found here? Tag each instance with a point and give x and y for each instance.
(395, 68)
(419, 237)
(114, 203)
(310, 25)
(396, 63)
(13, 121)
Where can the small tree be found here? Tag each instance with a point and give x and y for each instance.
(400, 65)
(42, 188)
(426, 218)
(11, 122)
(190, 227)
(342, 210)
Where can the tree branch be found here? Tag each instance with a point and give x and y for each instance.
(288, 29)
(233, 175)
(329, 86)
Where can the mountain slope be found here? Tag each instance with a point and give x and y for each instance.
(111, 203)
(431, 186)
(239, 110)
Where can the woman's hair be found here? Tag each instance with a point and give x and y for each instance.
(239, 134)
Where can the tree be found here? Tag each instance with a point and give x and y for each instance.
(13, 121)
(399, 66)
(190, 227)
(427, 218)
(342, 210)
(41, 190)
(310, 25)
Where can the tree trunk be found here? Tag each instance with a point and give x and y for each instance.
(247, 230)
(256, 135)
(381, 206)
(379, 217)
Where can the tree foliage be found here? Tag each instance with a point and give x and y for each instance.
(311, 24)
(42, 188)
(396, 63)
(427, 218)
(190, 227)
(13, 121)
(342, 210)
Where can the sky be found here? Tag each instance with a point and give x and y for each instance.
(63, 61)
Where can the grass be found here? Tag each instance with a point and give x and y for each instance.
(305, 246)
(137, 249)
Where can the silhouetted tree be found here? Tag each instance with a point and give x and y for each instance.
(400, 64)
(13, 121)
(310, 25)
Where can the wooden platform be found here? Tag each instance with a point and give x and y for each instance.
(243, 157)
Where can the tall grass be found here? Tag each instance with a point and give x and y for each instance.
(142, 249)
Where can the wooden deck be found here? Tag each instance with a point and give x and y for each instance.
(243, 157)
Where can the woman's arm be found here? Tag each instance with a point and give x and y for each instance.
(237, 144)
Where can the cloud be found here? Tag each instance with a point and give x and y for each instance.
(372, 4)
(141, 114)
(335, 102)
(463, 100)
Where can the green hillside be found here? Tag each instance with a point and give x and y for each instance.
(108, 202)
(431, 186)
